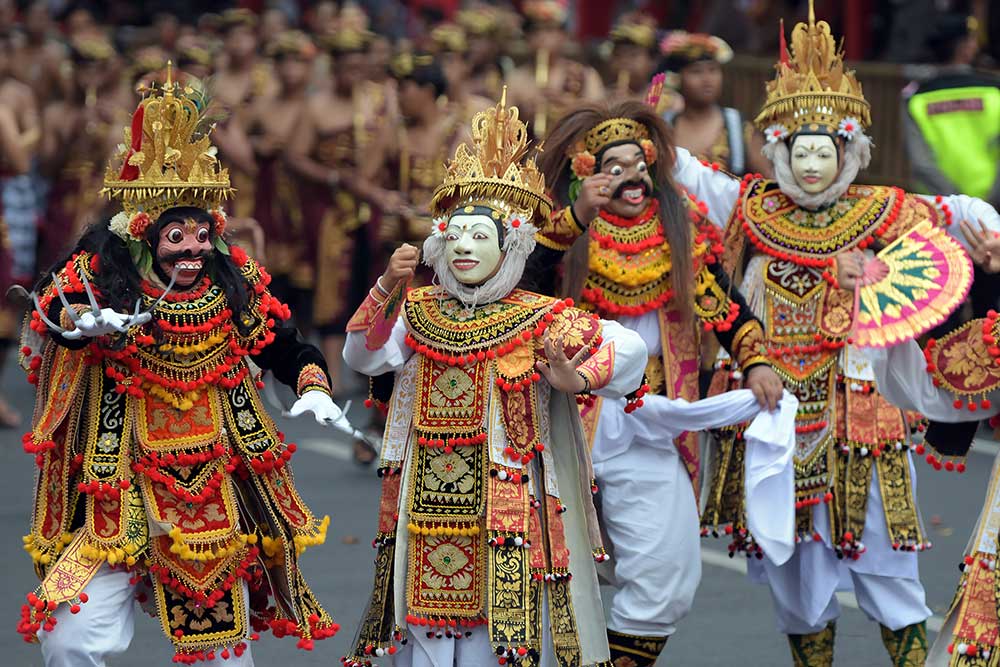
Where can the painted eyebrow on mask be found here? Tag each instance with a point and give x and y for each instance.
(606, 161)
(474, 225)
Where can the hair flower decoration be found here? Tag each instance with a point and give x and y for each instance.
(848, 128)
(130, 229)
(648, 151)
(220, 217)
(119, 225)
(583, 164)
(775, 133)
(516, 222)
(438, 225)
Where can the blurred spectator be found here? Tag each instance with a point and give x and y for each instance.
(952, 120)
(273, 22)
(21, 192)
(79, 135)
(241, 81)
(278, 201)
(451, 47)
(710, 131)
(487, 28)
(328, 152)
(14, 160)
(414, 156)
(951, 127)
(39, 54)
(550, 84)
(631, 55)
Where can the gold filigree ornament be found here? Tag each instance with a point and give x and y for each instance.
(812, 89)
(489, 171)
(166, 160)
(615, 131)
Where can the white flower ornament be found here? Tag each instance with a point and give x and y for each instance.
(848, 128)
(438, 225)
(776, 133)
(119, 225)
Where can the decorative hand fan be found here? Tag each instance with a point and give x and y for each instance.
(910, 287)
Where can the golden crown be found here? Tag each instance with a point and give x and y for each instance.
(614, 131)
(238, 16)
(812, 89)
(682, 48)
(547, 12)
(351, 31)
(485, 20)
(635, 28)
(167, 159)
(489, 171)
(294, 43)
(95, 47)
(404, 63)
(449, 38)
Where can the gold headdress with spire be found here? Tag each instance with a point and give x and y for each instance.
(351, 32)
(812, 90)
(167, 159)
(489, 172)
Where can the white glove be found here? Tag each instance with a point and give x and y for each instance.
(106, 322)
(323, 408)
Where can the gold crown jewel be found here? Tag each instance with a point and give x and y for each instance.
(614, 131)
(812, 90)
(489, 171)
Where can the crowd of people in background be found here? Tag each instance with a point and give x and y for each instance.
(336, 119)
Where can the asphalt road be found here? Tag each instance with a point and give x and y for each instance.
(731, 623)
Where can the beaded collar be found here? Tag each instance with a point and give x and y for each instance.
(778, 226)
(192, 342)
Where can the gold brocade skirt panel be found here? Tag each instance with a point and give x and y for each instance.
(483, 549)
(868, 444)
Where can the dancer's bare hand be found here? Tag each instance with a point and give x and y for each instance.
(560, 372)
(765, 385)
(595, 193)
(402, 265)
(984, 245)
(850, 268)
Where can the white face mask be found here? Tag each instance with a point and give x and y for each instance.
(814, 162)
(472, 248)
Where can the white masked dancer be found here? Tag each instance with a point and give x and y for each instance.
(794, 239)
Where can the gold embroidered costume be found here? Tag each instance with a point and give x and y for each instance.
(485, 513)
(155, 453)
(856, 514)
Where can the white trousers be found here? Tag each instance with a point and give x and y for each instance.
(420, 651)
(104, 627)
(894, 602)
(473, 651)
(649, 513)
(886, 582)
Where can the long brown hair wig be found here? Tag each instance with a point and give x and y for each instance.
(554, 161)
